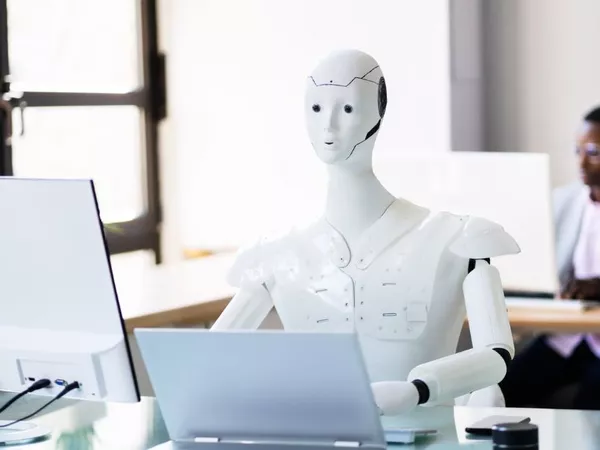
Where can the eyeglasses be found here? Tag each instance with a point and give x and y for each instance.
(591, 149)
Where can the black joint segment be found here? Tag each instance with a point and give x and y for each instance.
(382, 97)
(504, 354)
(472, 263)
(423, 391)
(373, 130)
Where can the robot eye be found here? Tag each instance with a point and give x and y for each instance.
(348, 109)
(316, 108)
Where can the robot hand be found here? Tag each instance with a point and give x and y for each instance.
(395, 397)
(489, 396)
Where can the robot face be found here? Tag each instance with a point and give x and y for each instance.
(339, 118)
(342, 105)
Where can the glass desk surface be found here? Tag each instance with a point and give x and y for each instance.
(109, 426)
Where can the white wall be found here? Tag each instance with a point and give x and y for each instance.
(236, 77)
(466, 75)
(543, 73)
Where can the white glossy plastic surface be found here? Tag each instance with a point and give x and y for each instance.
(60, 315)
(22, 433)
(492, 327)
(380, 266)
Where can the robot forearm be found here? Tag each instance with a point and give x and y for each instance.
(246, 310)
(455, 375)
(493, 348)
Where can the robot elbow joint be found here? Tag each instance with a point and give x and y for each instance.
(504, 354)
(423, 390)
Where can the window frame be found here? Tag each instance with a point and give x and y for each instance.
(143, 232)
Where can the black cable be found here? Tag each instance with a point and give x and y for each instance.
(39, 384)
(68, 388)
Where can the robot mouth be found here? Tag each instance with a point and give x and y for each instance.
(329, 143)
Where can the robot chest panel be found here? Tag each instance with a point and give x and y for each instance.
(390, 300)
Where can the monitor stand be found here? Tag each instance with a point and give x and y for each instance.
(22, 433)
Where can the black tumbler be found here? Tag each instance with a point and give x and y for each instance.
(515, 436)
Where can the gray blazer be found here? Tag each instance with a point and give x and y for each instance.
(568, 205)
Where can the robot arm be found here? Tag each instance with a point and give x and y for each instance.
(251, 305)
(246, 310)
(486, 363)
(493, 348)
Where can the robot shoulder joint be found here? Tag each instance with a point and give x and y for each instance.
(483, 239)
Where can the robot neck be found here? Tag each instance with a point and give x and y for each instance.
(355, 200)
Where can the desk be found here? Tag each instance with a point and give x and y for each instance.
(540, 320)
(98, 426)
(186, 294)
(195, 292)
(181, 294)
(555, 321)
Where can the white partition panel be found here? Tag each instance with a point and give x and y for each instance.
(512, 189)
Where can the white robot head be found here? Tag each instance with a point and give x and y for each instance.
(345, 102)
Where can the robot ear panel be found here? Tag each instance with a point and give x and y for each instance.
(382, 97)
(382, 104)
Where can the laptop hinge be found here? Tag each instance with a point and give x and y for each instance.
(215, 440)
(206, 440)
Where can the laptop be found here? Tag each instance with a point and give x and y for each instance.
(270, 388)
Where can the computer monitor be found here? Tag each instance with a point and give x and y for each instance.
(60, 318)
(512, 189)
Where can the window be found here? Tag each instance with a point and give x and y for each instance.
(83, 92)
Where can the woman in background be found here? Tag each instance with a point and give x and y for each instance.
(552, 362)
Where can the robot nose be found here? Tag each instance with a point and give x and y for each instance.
(330, 122)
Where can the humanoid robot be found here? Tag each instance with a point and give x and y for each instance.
(400, 276)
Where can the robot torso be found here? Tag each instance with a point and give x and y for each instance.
(400, 290)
